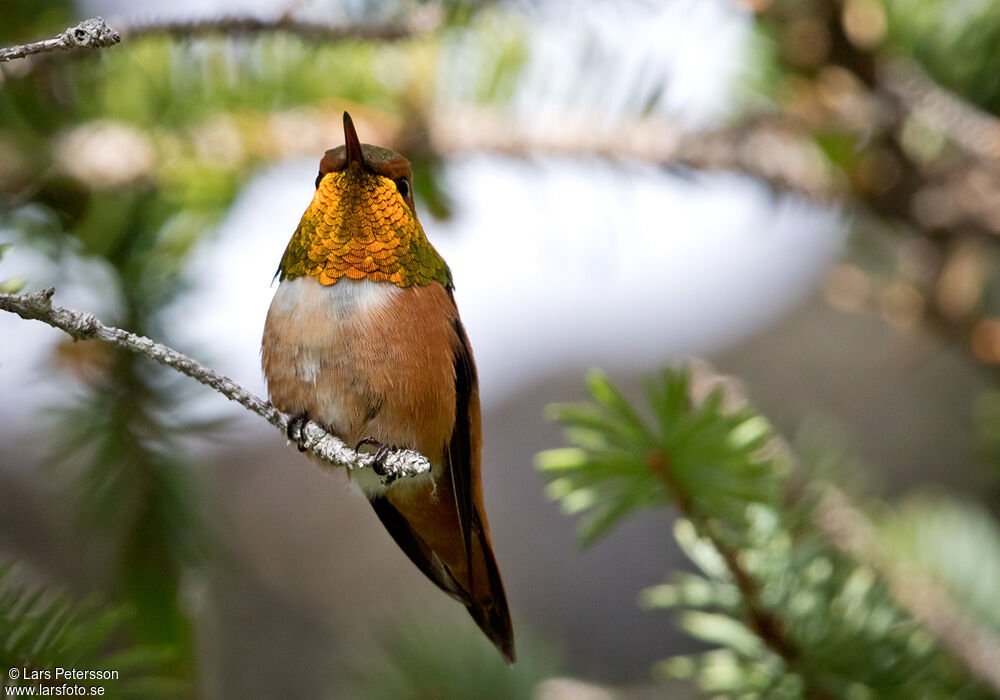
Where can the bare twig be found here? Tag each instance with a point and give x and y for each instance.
(97, 33)
(961, 121)
(767, 148)
(417, 23)
(93, 33)
(312, 436)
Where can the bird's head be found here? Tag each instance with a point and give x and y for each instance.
(361, 223)
(358, 166)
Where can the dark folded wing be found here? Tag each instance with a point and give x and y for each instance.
(416, 549)
(458, 454)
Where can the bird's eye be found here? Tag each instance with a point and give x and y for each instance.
(403, 185)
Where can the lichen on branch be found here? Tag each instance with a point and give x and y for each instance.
(93, 33)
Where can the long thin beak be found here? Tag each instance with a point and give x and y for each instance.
(354, 153)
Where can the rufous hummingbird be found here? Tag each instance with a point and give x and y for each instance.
(363, 336)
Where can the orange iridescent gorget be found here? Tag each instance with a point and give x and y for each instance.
(358, 226)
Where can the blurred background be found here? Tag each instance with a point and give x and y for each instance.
(805, 193)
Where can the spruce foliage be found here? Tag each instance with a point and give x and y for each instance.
(788, 613)
(41, 631)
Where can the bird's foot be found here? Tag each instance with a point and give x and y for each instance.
(378, 461)
(294, 430)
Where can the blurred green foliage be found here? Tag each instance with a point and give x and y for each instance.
(41, 631)
(789, 614)
(956, 544)
(419, 661)
(986, 416)
(30, 20)
(957, 42)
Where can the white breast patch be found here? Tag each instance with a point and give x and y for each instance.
(347, 301)
(305, 295)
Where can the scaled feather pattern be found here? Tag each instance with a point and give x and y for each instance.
(358, 226)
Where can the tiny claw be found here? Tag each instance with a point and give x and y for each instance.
(294, 430)
(378, 461)
(295, 424)
(367, 440)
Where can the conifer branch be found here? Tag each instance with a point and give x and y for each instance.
(852, 533)
(768, 626)
(93, 33)
(312, 436)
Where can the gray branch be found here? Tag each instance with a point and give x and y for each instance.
(312, 436)
(770, 149)
(419, 22)
(93, 33)
(97, 33)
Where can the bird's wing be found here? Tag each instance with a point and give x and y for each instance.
(441, 524)
(487, 602)
(459, 454)
(416, 549)
(406, 518)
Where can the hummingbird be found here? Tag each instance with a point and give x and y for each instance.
(363, 336)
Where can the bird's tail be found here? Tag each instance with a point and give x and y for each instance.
(474, 580)
(488, 601)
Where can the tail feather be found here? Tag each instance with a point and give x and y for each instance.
(489, 607)
(482, 592)
(416, 549)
